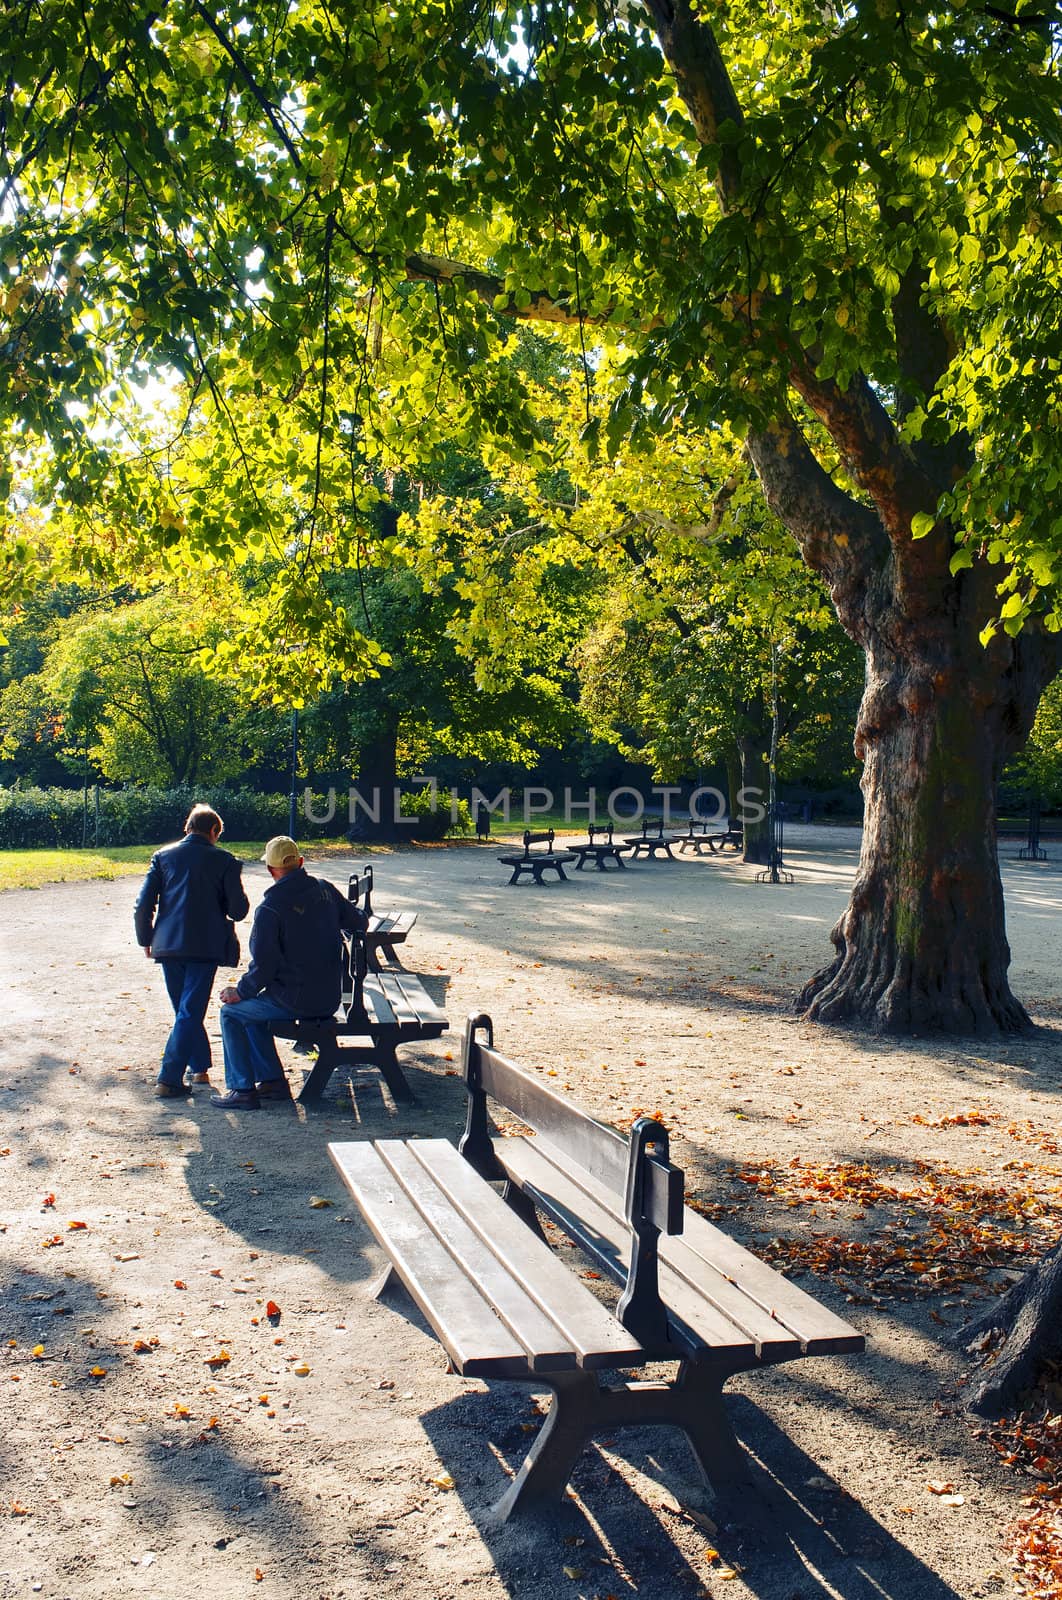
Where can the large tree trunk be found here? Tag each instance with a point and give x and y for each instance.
(755, 782)
(922, 944)
(376, 783)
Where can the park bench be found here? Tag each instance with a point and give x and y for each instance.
(537, 861)
(651, 839)
(386, 928)
(696, 838)
(379, 1012)
(599, 847)
(476, 1263)
(733, 834)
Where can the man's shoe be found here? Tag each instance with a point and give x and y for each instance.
(274, 1089)
(197, 1077)
(236, 1100)
(171, 1091)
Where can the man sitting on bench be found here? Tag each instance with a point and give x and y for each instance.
(296, 970)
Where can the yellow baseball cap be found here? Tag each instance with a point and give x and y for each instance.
(282, 852)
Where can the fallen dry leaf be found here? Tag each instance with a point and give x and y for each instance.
(74, 1226)
(938, 1486)
(272, 1309)
(318, 1202)
(443, 1480)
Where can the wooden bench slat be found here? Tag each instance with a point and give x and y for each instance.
(593, 1226)
(589, 1327)
(393, 925)
(477, 1341)
(782, 1319)
(408, 999)
(537, 1334)
(376, 1003)
(820, 1330)
(405, 1013)
(595, 1146)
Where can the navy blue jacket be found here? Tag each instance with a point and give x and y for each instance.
(191, 890)
(296, 944)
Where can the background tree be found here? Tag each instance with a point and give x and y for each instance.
(123, 688)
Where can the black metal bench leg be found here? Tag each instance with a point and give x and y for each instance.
(518, 1201)
(386, 1058)
(581, 1408)
(551, 1459)
(323, 1068)
(701, 1412)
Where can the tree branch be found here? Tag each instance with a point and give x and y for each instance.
(691, 51)
(250, 80)
(541, 308)
(839, 538)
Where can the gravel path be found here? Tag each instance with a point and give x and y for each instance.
(163, 1432)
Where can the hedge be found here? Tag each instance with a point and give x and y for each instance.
(54, 818)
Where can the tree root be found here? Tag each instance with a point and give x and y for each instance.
(1028, 1320)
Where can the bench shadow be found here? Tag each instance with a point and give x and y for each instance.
(798, 1533)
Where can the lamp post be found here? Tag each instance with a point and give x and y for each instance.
(293, 799)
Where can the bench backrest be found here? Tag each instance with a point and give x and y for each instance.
(359, 888)
(537, 838)
(639, 1169)
(355, 954)
(593, 829)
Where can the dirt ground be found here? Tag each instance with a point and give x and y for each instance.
(165, 1431)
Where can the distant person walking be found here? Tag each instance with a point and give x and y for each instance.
(296, 970)
(184, 917)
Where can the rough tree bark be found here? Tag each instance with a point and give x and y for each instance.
(1014, 1336)
(755, 780)
(376, 783)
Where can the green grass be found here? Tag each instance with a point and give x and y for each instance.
(32, 869)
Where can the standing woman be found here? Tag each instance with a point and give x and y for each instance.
(184, 917)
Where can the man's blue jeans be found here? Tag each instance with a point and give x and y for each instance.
(188, 984)
(247, 1039)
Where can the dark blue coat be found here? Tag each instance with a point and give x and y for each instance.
(296, 944)
(191, 890)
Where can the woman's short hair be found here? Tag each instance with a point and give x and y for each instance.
(203, 819)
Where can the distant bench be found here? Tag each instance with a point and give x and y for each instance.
(535, 861)
(599, 848)
(651, 839)
(386, 928)
(505, 1306)
(381, 1009)
(733, 834)
(716, 839)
